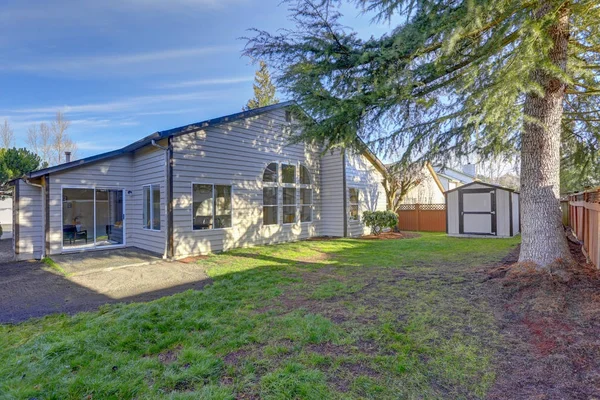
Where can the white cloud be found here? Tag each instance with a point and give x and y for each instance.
(95, 146)
(111, 61)
(207, 82)
(121, 105)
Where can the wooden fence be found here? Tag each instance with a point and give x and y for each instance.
(584, 217)
(422, 217)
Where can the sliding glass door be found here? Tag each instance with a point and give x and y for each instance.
(109, 217)
(93, 218)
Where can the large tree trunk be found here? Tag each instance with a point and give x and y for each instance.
(543, 239)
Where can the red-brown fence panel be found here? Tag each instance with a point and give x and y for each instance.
(422, 217)
(584, 213)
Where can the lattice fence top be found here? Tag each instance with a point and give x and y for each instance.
(407, 207)
(432, 207)
(422, 207)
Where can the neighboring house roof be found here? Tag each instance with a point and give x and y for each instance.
(450, 178)
(156, 136)
(435, 177)
(442, 171)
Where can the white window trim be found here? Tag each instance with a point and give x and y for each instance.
(213, 206)
(151, 186)
(350, 204)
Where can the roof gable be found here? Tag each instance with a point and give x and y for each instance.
(156, 136)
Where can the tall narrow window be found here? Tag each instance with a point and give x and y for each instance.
(151, 207)
(222, 206)
(353, 200)
(270, 208)
(289, 205)
(211, 206)
(306, 202)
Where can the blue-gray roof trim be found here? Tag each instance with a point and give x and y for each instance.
(159, 136)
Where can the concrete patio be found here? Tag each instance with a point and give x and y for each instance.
(85, 262)
(33, 289)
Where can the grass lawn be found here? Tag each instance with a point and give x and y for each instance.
(312, 320)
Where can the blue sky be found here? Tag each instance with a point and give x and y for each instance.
(122, 69)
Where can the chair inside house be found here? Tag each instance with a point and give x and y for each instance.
(72, 233)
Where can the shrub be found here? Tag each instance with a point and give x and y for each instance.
(379, 220)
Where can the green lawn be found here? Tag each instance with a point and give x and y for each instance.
(312, 320)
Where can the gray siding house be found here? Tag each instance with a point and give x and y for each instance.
(228, 182)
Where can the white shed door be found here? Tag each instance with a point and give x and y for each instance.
(477, 208)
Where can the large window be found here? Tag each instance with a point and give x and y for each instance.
(354, 201)
(211, 206)
(151, 208)
(296, 194)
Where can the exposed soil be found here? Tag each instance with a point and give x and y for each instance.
(551, 325)
(392, 235)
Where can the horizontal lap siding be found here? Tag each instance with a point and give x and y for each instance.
(115, 173)
(148, 169)
(236, 154)
(332, 199)
(362, 174)
(29, 218)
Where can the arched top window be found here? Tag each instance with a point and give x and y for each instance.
(304, 176)
(286, 191)
(270, 174)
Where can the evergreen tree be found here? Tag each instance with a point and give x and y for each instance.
(264, 89)
(453, 78)
(14, 163)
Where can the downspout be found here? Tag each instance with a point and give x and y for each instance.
(44, 217)
(168, 190)
(345, 194)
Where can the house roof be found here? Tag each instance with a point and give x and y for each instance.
(435, 177)
(443, 168)
(450, 178)
(484, 184)
(159, 135)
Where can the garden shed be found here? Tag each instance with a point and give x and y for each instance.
(481, 209)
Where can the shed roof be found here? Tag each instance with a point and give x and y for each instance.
(481, 183)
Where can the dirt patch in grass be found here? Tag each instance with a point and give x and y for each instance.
(169, 356)
(192, 260)
(551, 322)
(392, 235)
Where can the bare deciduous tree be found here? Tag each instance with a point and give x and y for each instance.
(7, 135)
(61, 141)
(51, 141)
(399, 181)
(39, 141)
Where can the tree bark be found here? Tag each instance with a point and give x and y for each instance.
(543, 239)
